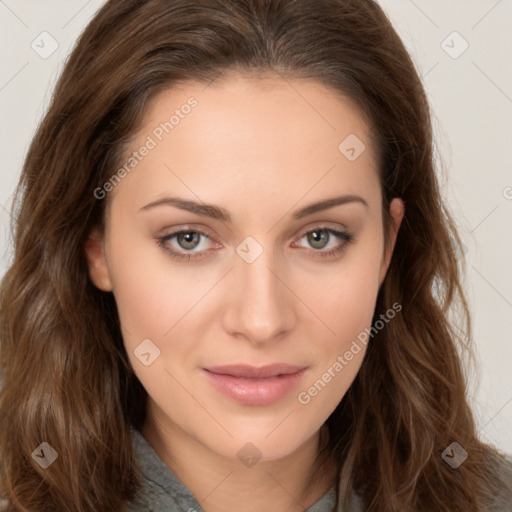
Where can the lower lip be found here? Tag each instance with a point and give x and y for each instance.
(255, 391)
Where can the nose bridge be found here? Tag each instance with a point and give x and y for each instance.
(262, 306)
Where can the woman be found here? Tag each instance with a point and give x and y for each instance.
(233, 273)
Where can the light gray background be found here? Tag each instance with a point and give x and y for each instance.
(471, 98)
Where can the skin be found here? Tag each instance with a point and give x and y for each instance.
(261, 149)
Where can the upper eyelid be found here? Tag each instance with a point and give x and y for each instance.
(311, 226)
(185, 229)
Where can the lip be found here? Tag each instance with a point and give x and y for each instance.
(252, 385)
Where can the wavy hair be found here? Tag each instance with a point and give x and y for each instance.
(66, 377)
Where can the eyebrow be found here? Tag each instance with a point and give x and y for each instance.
(215, 212)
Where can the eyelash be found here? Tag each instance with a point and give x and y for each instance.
(343, 235)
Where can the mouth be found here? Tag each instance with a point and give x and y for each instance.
(252, 385)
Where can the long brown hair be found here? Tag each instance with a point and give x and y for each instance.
(66, 379)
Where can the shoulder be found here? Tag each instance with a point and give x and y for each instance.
(501, 501)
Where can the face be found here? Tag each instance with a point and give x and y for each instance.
(217, 258)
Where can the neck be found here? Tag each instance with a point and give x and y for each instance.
(222, 484)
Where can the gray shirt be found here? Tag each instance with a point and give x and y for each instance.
(163, 491)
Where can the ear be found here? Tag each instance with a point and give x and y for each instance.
(397, 211)
(96, 261)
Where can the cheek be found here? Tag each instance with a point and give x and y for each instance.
(151, 299)
(350, 296)
(156, 300)
(346, 304)
(143, 307)
(347, 308)
(347, 301)
(145, 290)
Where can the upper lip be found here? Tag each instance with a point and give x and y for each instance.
(253, 372)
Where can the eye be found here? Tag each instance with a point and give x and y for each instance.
(186, 244)
(322, 238)
(186, 240)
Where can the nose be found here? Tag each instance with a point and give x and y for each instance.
(261, 308)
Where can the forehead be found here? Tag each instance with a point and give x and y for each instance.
(254, 102)
(271, 135)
